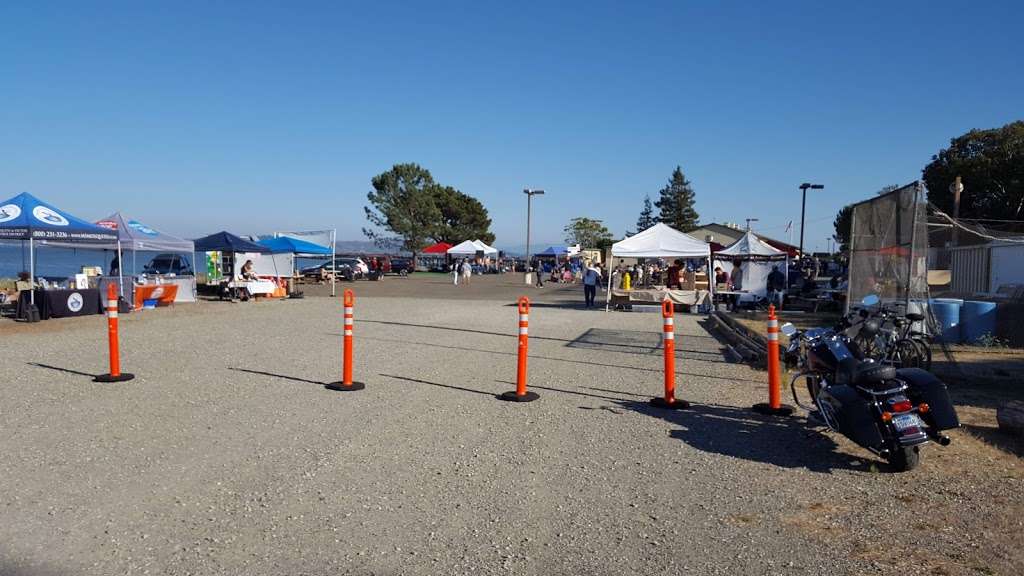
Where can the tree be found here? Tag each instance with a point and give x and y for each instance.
(991, 165)
(647, 218)
(845, 218)
(587, 233)
(403, 206)
(463, 217)
(842, 227)
(676, 203)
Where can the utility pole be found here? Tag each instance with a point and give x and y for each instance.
(530, 193)
(803, 212)
(956, 188)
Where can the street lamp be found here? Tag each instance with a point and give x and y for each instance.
(530, 193)
(803, 212)
(749, 220)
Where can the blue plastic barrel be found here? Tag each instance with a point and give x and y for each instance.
(977, 319)
(947, 314)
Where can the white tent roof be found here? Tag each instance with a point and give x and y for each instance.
(470, 248)
(487, 249)
(661, 241)
(750, 245)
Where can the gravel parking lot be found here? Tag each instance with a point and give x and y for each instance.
(227, 455)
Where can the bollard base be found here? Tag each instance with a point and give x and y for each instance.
(766, 409)
(511, 396)
(677, 404)
(122, 377)
(342, 387)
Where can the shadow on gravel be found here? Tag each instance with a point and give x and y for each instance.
(740, 433)
(536, 357)
(505, 334)
(439, 385)
(281, 376)
(59, 369)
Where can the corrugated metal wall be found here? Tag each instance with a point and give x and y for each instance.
(969, 268)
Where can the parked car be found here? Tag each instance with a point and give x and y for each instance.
(168, 264)
(348, 268)
(401, 265)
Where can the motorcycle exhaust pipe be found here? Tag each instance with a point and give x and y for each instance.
(940, 439)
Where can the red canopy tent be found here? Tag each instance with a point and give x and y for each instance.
(440, 248)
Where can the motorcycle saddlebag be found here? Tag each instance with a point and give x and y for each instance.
(925, 387)
(853, 416)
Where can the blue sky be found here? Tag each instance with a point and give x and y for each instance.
(254, 117)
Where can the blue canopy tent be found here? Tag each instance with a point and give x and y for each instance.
(555, 251)
(26, 217)
(285, 244)
(229, 243)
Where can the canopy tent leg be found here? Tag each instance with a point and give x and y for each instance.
(608, 295)
(334, 262)
(120, 269)
(32, 270)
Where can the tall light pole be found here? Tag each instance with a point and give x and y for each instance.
(803, 212)
(749, 220)
(530, 193)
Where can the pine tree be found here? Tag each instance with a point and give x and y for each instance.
(647, 218)
(676, 203)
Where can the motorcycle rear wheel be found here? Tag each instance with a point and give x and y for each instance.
(905, 458)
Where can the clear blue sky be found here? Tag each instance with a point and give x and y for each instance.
(259, 116)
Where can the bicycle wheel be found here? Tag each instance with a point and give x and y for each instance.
(907, 354)
(925, 352)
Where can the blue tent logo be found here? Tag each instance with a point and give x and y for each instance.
(48, 216)
(140, 227)
(9, 212)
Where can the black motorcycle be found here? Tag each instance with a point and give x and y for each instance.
(889, 411)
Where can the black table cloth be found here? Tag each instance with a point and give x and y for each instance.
(63, 303)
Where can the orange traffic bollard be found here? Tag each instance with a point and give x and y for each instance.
(669, 338)
(346, 384)
(520, 394)
(115, 374)
(774, 407)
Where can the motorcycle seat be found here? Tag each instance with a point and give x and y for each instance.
(868, 373)
(915, 317)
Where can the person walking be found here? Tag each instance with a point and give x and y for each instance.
(591, 276)
(467, 271)
(455, 272)
(538, 271)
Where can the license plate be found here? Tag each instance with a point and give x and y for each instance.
(906, 422)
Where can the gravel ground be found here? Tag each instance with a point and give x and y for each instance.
(227, 456)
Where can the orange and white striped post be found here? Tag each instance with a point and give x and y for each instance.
(346, 384)
(774, 407)
(115, 374)
(520, 394)
(668, 337)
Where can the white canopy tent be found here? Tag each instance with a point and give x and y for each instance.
(659, 241)
(759, 256)
(471, 247)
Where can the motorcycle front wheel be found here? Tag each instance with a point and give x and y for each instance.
(905, 458)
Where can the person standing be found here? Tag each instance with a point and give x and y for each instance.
(591, 276)
(736, 282)
(455, 273)
(776, 286)
(538, 271)
(673, 274)
(467, 271)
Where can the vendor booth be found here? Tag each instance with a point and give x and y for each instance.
(472, 248)
(226, 253)
(665, 242)
(163, 272)
(35, 223)
(434, 257)
(756, 259)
